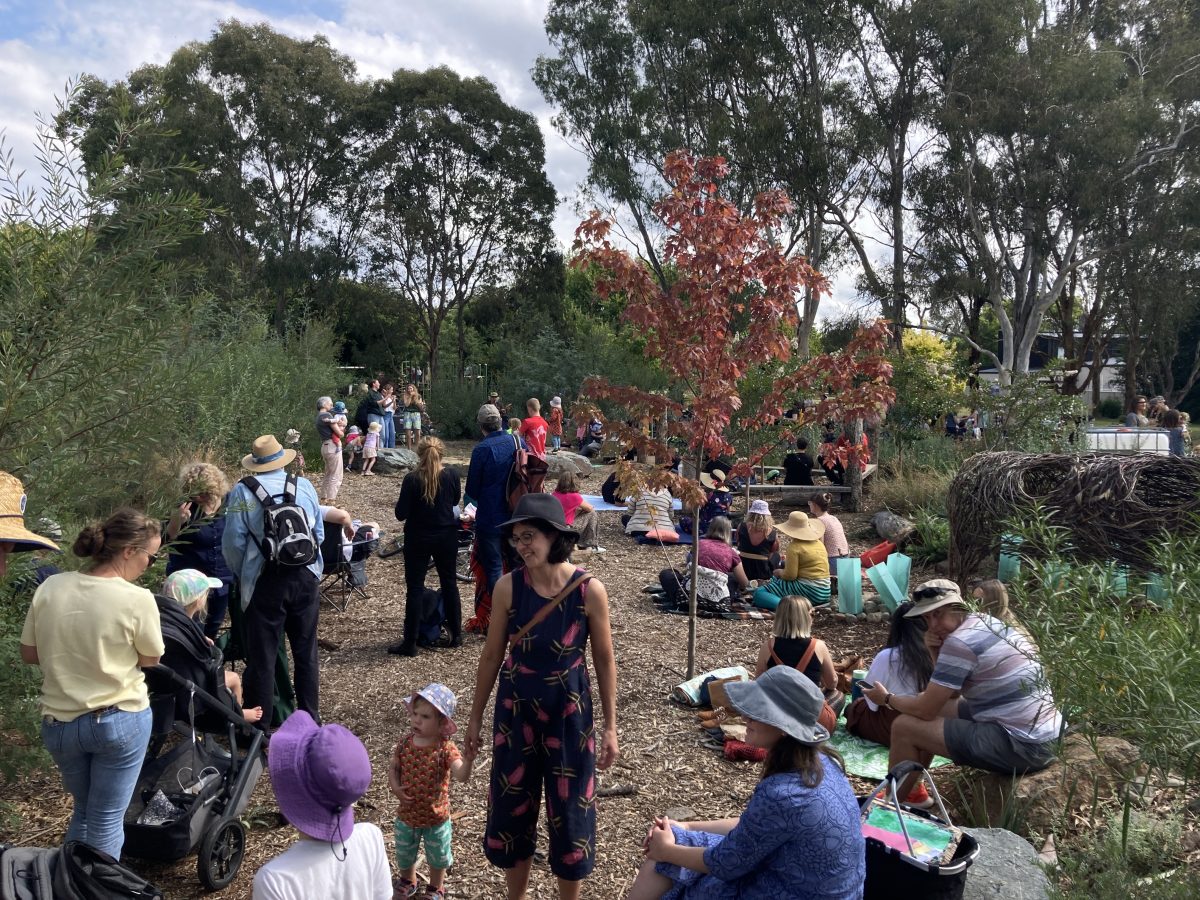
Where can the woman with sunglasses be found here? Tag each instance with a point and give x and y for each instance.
(544, 740)
(92, 632)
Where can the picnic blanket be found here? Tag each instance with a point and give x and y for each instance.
(739, 613)
(602, 505)
(864, 758)
(688, 693)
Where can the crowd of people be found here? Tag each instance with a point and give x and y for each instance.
(1155, 413)
(958, 678)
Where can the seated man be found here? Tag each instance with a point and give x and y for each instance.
(986, 704)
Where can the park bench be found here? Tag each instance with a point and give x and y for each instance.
(804, 491)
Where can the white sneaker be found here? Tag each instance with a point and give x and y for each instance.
(597, 549)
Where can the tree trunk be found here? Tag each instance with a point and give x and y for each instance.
(691, 645)
(853, 470)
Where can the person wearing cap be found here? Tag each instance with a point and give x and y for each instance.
(189, 652)
(487, 479)
(758, 542)
(986, 705)
(555, 423)
(423, 762)
(14, 536)
(544, 737)
(330, 432)
(275, 598)
(805, 572)
(318, 773)
(92, 632)
(800, 835)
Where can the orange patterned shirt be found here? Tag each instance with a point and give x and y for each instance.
(425, 773)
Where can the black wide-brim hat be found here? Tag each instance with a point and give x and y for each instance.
(543, 508)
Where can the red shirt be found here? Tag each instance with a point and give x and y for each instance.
(534, 429)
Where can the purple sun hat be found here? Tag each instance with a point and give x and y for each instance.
(318, 771)
(440, 698)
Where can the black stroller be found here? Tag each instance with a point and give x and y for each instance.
(191, 790)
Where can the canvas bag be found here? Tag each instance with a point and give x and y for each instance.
(288, 539)
(526, 476)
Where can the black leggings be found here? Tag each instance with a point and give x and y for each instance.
(418, 550)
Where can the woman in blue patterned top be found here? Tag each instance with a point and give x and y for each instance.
(800, 835)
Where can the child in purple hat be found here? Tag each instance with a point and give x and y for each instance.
(318, 772)
(419, 776)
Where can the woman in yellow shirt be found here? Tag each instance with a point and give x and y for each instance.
(806, 566)
(91, 632)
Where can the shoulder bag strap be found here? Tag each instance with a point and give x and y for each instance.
(804, 660)
(548, 608)
(289, 488)
(258, 490)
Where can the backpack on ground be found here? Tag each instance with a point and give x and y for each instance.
(27, 873)
(433, 613)
(73, 872)
(527, 475)
(288, 538)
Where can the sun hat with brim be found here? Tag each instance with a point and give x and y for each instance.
(932, 595)
(12, 517)
(784, 698)
(186, 586)
(318, 772)
(556, 401)
(801, 528)
(715, 480)
(440, 698)
(759, 508)
(266, 455)
(543, 507)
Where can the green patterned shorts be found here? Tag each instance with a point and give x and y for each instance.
(437, 845)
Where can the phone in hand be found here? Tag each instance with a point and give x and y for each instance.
(866, 685)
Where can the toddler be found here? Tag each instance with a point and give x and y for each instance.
(419, 776)
(370, 447)
(354, 441)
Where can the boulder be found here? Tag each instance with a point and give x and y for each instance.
(1006, 867)
(1045, 802)
(566, 461)
(892, 527)
(395, 461)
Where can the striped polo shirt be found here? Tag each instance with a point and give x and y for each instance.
(995, 667)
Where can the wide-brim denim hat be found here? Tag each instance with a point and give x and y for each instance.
(318, 772)
(784, 698)
(543, 507)
(440, 698)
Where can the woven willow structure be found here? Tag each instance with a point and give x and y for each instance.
(1115, 507)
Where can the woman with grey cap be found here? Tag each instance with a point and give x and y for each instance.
(800, 835)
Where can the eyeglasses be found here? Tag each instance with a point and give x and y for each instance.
(517, 540)
(928, 593)
(151, 558)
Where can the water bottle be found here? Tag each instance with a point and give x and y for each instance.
(856, 680)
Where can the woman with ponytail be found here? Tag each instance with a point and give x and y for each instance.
(92, 632)
(426, 506)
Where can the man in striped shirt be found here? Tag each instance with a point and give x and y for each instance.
(986, 705)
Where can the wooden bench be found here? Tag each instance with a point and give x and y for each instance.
(807, 490)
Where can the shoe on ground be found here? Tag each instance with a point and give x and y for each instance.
(402, 649)
(597, 549)
(653, 589)
(919, 797)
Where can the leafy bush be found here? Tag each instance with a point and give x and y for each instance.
(452, 405)
(933, 536)
(1029, 415)
(1109, 408)
(1136, 856)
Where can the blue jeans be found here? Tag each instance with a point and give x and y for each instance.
(556, 441)
(100, 757)
(389, 429)
(488, 553)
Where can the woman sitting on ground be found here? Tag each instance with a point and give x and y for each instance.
(758, 543)
(580, 514)
(834, 538)
(800, 836)
(806, 568)
(793, 645)
(650, 510)
(189, 652)
(720, 569)
(907, 660)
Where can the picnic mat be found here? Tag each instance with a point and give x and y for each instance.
(602, 505)
(864, 758)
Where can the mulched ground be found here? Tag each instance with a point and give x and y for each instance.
(362, 687)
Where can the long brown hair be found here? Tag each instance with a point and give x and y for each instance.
(429, 452)
(789, 755)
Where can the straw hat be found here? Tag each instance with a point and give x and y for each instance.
(715, 480)
(266, 455)
(12, 517)
(801, 528)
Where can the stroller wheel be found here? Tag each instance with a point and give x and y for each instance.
(462, 566)
(220, 855)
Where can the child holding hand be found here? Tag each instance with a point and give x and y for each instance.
(419, 776)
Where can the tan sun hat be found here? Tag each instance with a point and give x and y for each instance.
(933, 595)
(12, 517)
(267, 454)
(715, 480)
(801, 528)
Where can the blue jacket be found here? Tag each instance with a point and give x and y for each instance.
(199, 547)
(487, 476)
(244, 527)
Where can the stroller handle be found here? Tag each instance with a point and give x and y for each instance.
(207, 699)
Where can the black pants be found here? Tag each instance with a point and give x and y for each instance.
(286, 601)
(442, 548)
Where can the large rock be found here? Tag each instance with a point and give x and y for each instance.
(892, 527)
(1041, 803)
(1006, 867)
(566, 461)
(395, 461)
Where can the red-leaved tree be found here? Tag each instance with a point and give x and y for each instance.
(730, 308)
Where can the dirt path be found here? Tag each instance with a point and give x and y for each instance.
(362, 687)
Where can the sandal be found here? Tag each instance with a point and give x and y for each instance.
(404, 889)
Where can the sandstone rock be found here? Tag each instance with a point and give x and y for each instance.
(874, 617)
(395, 461)
(565, 461)
(1045, 802)
(892, 527)
(1006, 867)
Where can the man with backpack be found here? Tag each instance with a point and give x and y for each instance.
(272, 543)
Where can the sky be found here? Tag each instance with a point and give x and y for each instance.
(45, 44)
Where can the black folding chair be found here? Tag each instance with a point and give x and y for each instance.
(344, 579)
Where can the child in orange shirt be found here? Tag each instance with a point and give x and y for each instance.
(419, 776)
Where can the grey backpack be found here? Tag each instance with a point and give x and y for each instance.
(288, 539)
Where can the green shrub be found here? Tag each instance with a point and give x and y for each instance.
(933, 536)
(1136, 855)
(452, 406)
(1109, 408)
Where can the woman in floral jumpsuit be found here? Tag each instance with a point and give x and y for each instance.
(544, 739)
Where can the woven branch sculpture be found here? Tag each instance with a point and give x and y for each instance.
(1114, 507)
